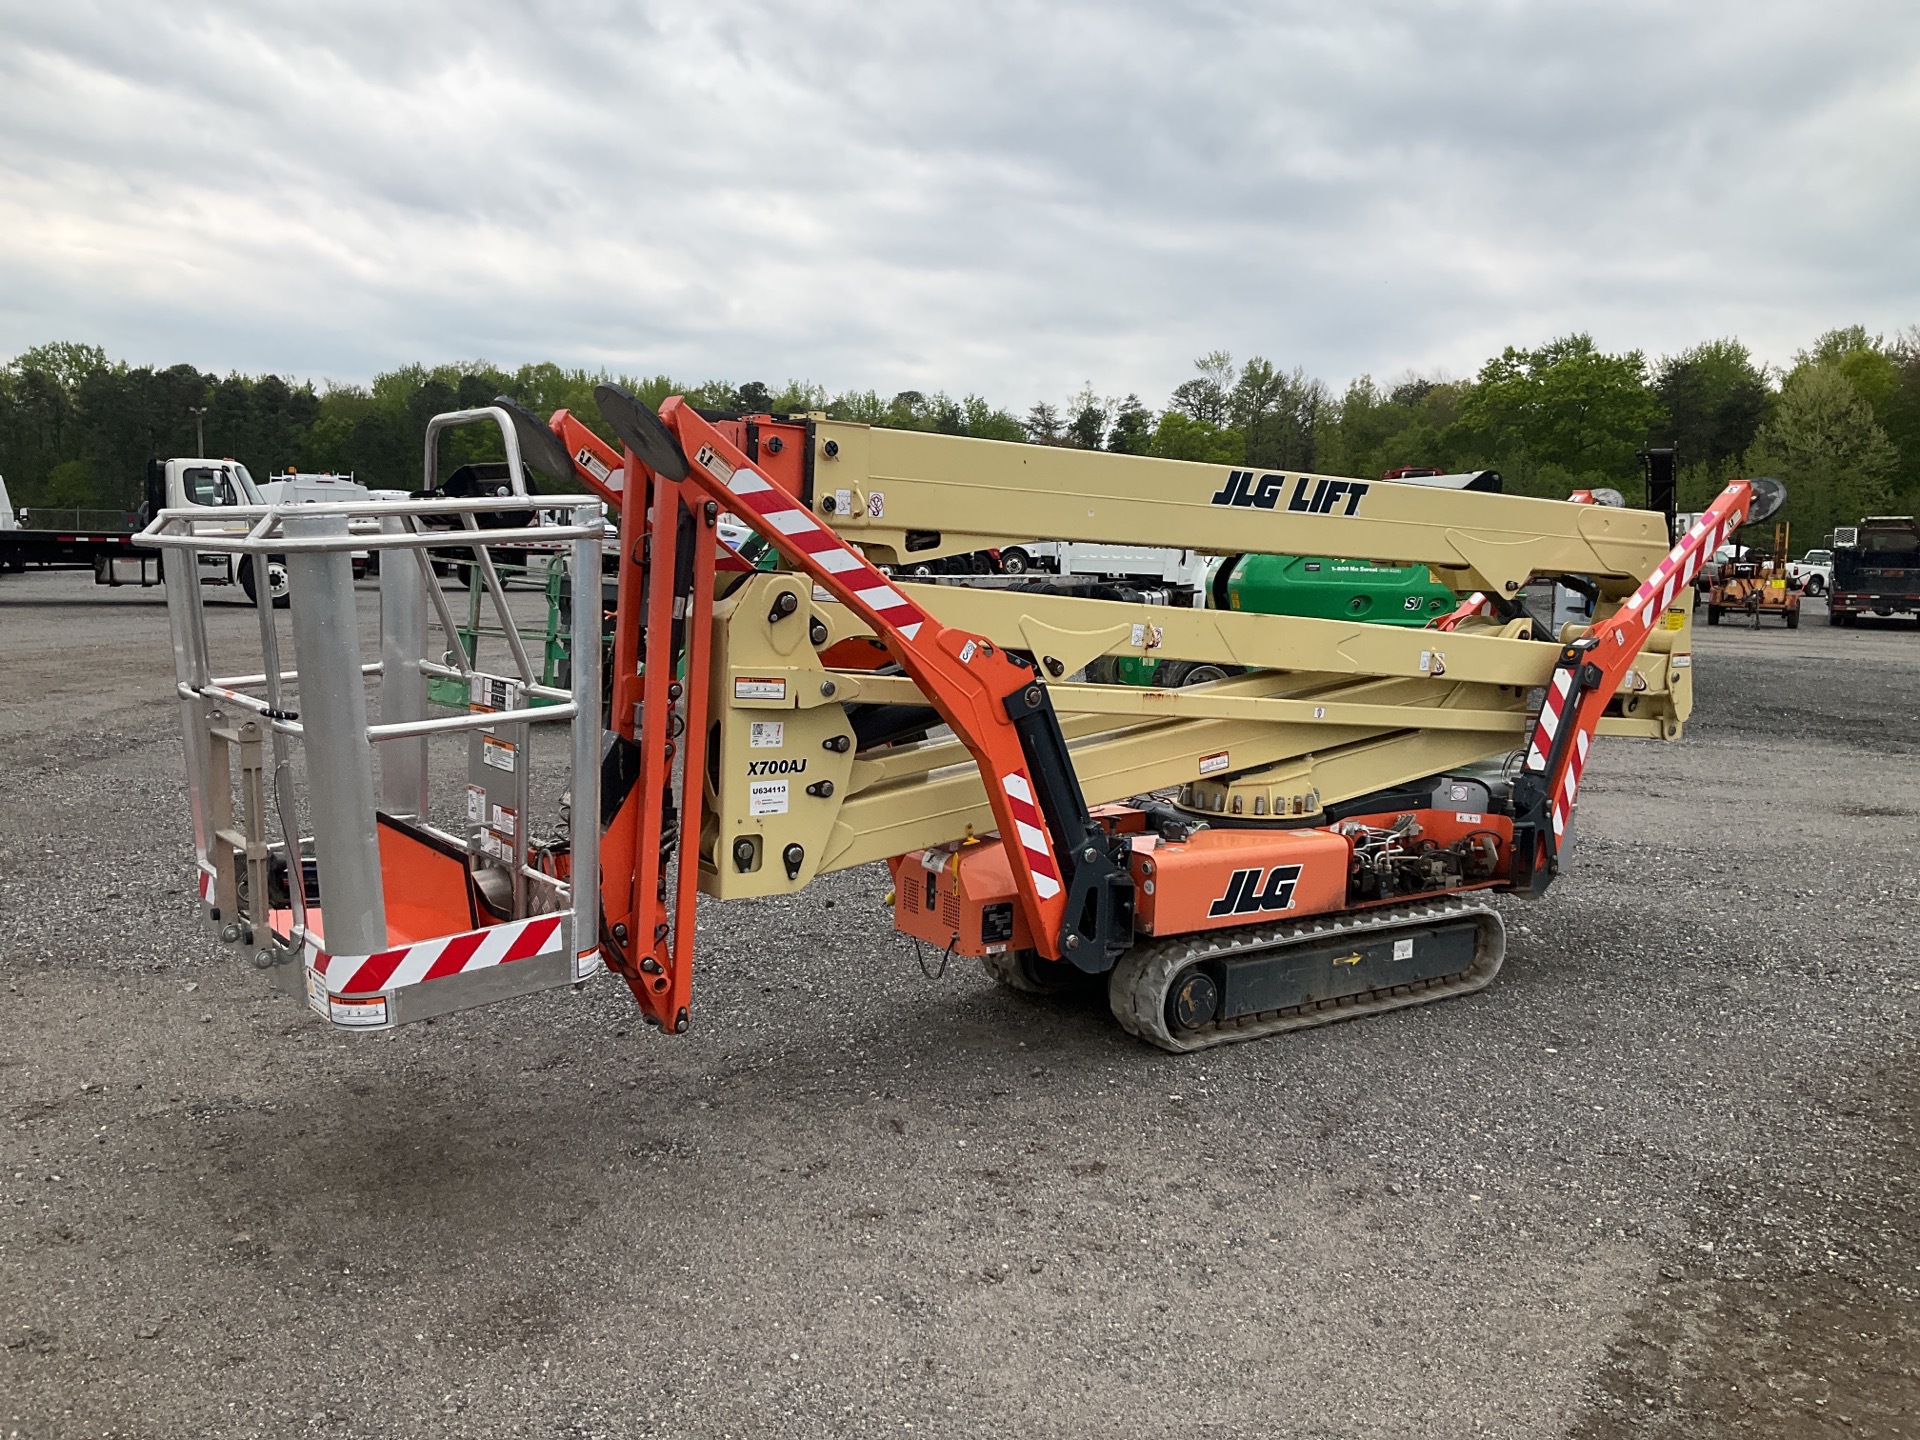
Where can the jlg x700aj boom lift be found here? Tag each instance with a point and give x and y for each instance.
(1300, 842)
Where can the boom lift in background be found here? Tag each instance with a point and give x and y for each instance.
(1304, 841)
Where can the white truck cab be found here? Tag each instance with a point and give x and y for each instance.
(213, 485)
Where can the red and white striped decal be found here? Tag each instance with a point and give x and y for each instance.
(796, 524)
(1032, 834)
(1475, 604)
(1629, 629)
(1552, 713)
(1676, 572)
(1570, 786)
(206, 885)
(434, 959)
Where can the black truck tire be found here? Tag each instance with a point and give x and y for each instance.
(1713, 614)
(277, 584)
(1793, 618)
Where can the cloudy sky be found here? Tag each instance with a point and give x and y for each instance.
(1008, 198)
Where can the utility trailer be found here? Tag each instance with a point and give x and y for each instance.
(1754, 585)
(1310, 839)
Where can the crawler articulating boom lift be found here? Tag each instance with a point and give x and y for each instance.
(1298, 843)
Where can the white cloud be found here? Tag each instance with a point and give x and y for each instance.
(1002, 197)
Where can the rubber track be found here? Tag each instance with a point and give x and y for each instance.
(1138, 988)
(1005, 970)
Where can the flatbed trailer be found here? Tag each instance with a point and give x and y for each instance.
(106, 553)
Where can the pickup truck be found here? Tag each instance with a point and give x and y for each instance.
(173, 484)
(1812, 573)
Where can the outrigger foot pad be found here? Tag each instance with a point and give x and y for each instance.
(642, 431)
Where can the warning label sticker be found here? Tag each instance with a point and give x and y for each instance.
(746, 687)
(1213, 764)
(357, 1011)
(497, 752)
(767, 734)
(708, 460)
(1676, 619)
(767, 797)
(477, 804)
(592, 464)
(494, 692)
(503, 819)
(877, 505)
(585, 963)
(316, 991)
(1403, 949)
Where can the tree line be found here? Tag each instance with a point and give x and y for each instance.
(1841, 424)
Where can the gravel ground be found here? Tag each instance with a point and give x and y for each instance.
(1656, 1181)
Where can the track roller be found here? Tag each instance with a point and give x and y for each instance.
(1192, 992)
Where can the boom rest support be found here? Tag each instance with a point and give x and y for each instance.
(1099, 923)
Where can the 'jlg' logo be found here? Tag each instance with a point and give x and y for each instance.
(1248, 492)
(1247, 896)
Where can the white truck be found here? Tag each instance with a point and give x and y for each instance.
(1182, 572)
(175, 484)
(1812, 573)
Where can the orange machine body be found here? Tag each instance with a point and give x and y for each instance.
(1220, 878)
(962, 898)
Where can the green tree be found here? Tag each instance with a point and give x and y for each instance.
(1043, 425)
(70, 486)
(1567, 405)
(1368, 431)
(1901, 419)
(1822, 440)
(985, 422)
(1206, 397)
(1887, 377)
(1715, 398)
(1132, 430)
(1278, 413)
(1866, 360)
(63, 361)
(1180, 437)
(1086, 424)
